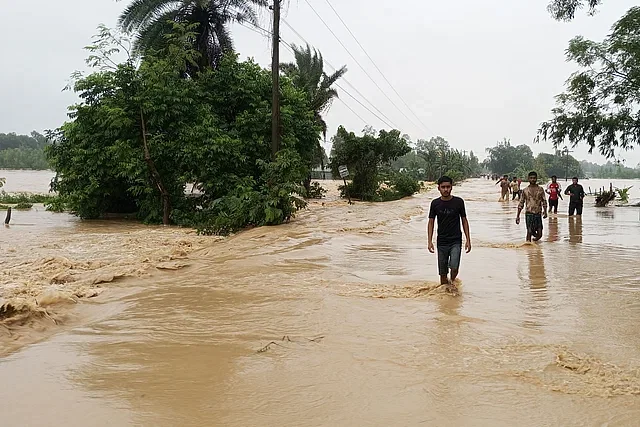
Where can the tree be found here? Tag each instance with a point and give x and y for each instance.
(600, 105)
(565, 10)
(141, 132)
(364, 156)
(505, 158)
(308, 75)
(153, 20)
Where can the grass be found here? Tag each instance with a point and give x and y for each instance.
(17, 198)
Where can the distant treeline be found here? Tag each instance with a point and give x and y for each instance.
(518, 160)
(610, 170)
(23, 151)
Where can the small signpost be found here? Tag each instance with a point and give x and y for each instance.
(344, 173)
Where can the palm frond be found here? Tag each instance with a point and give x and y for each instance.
(141, 13)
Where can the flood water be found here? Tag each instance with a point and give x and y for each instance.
(336, 319)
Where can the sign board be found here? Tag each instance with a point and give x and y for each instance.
(344, 172)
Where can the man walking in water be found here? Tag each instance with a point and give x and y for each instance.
(554, 191)
(515, 188)
(504, 187)
(535, 199)
(576, 192)
(449, 210)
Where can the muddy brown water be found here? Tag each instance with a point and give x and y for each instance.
(335, 319)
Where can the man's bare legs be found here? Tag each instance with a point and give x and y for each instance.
(537, 235)
(448, 284)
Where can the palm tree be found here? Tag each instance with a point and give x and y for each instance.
(152, 20)
(307, 74)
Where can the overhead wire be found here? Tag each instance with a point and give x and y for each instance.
(267, 33)
(388, 120)
(360, 65)
(376, 65)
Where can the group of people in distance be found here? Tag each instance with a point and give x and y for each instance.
(450, 212)
(534, 197)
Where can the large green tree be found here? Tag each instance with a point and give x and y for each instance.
(600, 104)
(141, 132)
(152, 21)
(504, 158)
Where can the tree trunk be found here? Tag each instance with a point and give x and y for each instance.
(155, 175)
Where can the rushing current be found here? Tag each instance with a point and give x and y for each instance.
(335, 319)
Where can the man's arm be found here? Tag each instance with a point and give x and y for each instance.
(520, 206)
(582, 193)
(430, 234)
(465, 227)
(544, 206)
(568, 190)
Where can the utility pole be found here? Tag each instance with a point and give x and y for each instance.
(275, 75)
(566, 152)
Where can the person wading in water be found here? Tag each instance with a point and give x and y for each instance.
(554, 191)
(535, 199)
(576, 200)
(504, 188)
(450, 211)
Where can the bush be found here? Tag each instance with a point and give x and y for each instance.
(23, 206)
(272, 200)
(398, 185)
(316, 191)
(404, 184)
(14, 198)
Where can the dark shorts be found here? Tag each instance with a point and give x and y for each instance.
(534, 222)
(575, 207)
(449, 257)
(553, 203)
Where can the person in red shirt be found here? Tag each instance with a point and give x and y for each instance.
(554, 191)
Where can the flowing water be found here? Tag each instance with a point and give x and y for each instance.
(335, 319)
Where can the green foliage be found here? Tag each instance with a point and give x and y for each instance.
(565, 10)
(404, 184)
(152, 21)
(23, 151)
(623, 194)
(600, 104)
(610, 170)
(506, 159)
(272, 201)
(213, 130)
(434, 158)
(15, 198)
(308, 75)
(364, 155)
(23, 206)
(316, 191)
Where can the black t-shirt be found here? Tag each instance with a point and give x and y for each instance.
(448, 213)
(576, 191)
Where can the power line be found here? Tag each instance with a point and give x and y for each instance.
(358, 63)
(267, 33)
(374, 64)
(343, 78)
(353, 111)
(363, 106)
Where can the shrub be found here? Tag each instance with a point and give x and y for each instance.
(316, 191)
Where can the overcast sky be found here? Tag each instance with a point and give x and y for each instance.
(473, 71)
